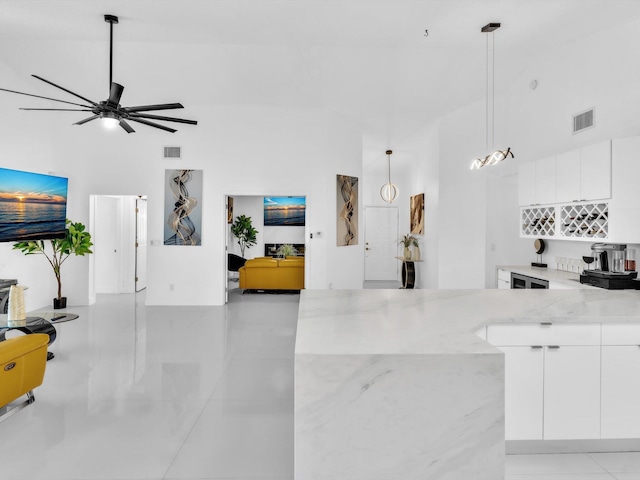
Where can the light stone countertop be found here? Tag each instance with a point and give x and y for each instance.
(405, 322)
(549, 274)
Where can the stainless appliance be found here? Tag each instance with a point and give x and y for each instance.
(524, 281)
(611, 275)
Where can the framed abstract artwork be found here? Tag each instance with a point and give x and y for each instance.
(347, 210)
(183, 207)
(417, 214)
(229, 210)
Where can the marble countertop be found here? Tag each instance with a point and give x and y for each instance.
(405, 322)
(549, 274)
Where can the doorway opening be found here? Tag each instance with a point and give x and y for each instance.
(119, 235)
(283, 223)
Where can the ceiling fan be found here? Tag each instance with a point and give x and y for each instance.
(110, 110)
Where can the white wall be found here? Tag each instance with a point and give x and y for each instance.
(242, 151)
(23, 149)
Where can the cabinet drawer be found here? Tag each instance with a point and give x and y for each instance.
(621, 334)
(538, 334)
(504, 275)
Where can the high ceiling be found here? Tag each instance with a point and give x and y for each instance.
(369, 60)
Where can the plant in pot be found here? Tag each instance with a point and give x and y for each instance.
(287, 250)
(407, 241)
(77, 241)
(243, 230)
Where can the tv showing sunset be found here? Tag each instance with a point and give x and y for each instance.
(32, 206)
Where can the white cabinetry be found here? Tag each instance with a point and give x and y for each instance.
(620, 381)
(546, 180)
(620, 391)
(595, 171)
(504, 280)
(568, 176)
(624, 216)
(537, 182)
(552, 380)
(523, 392)
(571, 392)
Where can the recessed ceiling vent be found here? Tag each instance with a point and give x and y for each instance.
(584, 120)
(172, 152)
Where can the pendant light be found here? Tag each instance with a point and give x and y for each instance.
(389, 191)
(496, 156)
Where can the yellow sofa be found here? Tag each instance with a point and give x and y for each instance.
(22, 363)
(266, 273)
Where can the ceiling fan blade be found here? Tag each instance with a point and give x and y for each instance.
(159, 117)
(64, 89)
(152, 124)
(60, 109)
(46, 98)
(146, 108)
(115, 93)
(82, 122)
(126, 126)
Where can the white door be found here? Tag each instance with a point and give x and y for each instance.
(106, 240)
(595, 171)
(523, 381)
(381, 243)
(141, 244)
(571, 392)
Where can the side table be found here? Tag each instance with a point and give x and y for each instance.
(408, 272)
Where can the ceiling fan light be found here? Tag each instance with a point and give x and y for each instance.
(110, 120)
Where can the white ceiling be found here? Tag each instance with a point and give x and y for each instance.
(366, 59)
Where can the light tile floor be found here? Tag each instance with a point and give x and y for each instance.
(183, 393)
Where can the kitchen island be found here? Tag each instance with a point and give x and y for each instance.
(395, 383)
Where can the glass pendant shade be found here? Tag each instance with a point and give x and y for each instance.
(389, 191)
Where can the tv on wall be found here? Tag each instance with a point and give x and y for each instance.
(284, 211)
(32, 206)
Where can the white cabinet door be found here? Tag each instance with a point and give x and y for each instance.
(595, 171)
(546, 180)
(523, 392)
(527, 184)
(572, 393)
(568, 176)
(621, 392)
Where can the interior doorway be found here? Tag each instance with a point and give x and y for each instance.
(381, 243)
(119, 243)
(285, 225)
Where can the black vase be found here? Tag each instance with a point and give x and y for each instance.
(59, 303)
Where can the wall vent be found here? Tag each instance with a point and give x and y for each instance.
(584, 120)
(172, 152)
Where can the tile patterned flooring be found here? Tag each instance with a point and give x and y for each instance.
(183, 393)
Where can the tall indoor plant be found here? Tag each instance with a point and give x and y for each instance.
(77, 241)
(244, 231)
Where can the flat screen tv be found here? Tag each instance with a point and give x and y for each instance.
(284, 211)
(32, 206)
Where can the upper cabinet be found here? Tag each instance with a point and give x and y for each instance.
(537, 182)
(595, 171)
(588, 193)
(579, 175)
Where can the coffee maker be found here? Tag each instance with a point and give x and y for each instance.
(611, 274)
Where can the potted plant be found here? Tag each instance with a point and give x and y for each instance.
(287, 250)
(244, 231)
(77, 242)
(407, 241)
